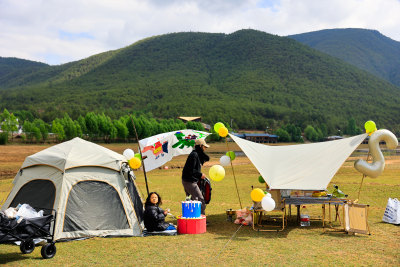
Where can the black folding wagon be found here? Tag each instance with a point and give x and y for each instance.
(26, 231)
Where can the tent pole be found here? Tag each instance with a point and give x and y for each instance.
(359, 190)
(140, 151)
(234, 177)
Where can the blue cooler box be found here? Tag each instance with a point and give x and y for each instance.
(191, 209)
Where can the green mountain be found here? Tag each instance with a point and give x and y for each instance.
(13, 68)
(252, 77)
(367, 49)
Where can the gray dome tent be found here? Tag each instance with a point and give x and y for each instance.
(91, 188)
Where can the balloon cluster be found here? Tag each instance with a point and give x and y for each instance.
(220, 128)
(217, 172)
(134, 160)
(267, 202)
(370, 127)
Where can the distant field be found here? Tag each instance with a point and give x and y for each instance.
(293, 246)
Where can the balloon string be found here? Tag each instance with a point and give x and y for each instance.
(234, 177)
(362, 180)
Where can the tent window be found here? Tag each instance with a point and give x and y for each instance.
(37, 193)
(94, 205)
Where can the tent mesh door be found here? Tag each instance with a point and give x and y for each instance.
(94, 205)
(37, 193)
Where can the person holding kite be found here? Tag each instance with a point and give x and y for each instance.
(191, 173)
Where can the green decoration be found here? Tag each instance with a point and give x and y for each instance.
(231, 154)
(183, 141)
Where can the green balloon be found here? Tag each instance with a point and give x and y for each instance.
(137, 155)
(261, 179)
(217, 126)
(370, 126)
(231, 154)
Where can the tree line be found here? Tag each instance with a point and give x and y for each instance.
(98, 127)
(94, 127)
(293, 133)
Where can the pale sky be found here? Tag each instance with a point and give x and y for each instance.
(59, 31)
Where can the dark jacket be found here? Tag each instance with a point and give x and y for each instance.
(192, 169)
(154, 218)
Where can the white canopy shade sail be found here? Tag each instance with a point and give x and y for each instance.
(302, 167)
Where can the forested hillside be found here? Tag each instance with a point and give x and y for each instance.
(367, 49)
(254, 78)
(11, 69)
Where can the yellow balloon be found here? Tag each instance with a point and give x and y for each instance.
(370, 127)
(223, 131)
(217, 173)
(135, 163)
(257, 195)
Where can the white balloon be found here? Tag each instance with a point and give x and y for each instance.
(268, 203)
(225, 160)
(128, 153)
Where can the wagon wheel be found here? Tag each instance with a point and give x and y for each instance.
(48, 251)
(27, 246)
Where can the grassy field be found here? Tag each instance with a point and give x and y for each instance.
(293, 246)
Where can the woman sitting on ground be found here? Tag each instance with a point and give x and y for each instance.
(154, 216)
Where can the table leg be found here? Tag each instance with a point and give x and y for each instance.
(337, 212)
(298, 213)
(330, 213)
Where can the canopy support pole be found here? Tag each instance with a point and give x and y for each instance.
(140, 151)
(362, 180)
(234, 177)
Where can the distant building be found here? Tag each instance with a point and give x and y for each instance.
(186, 119)
(259, 137)
(206, 126)
(195, 119)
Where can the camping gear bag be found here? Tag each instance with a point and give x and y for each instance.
(392, 212)
(205, 188)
